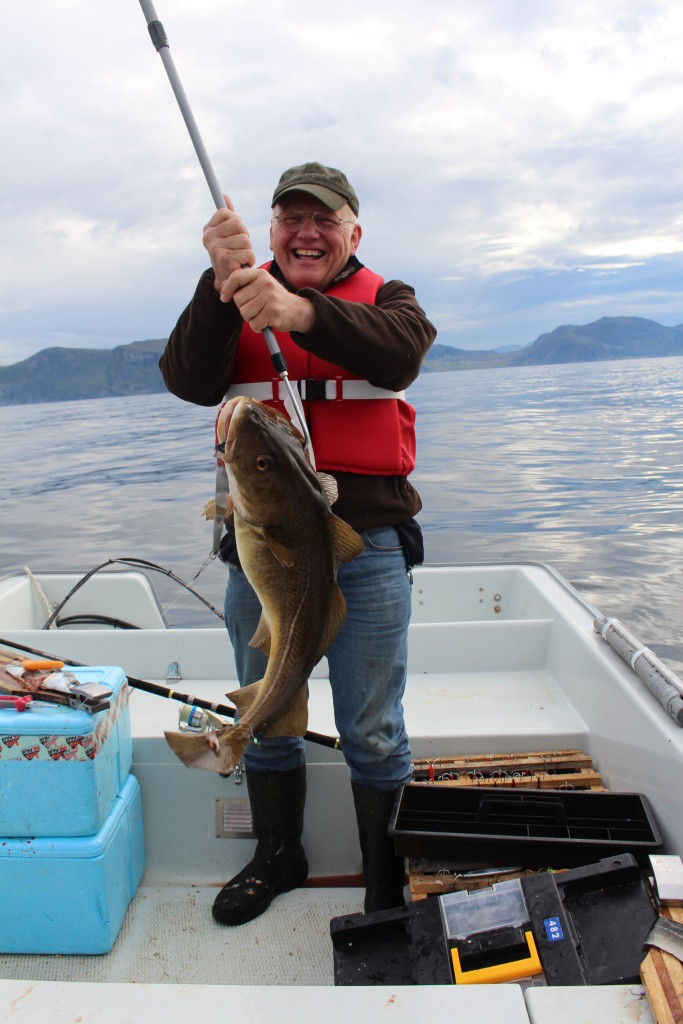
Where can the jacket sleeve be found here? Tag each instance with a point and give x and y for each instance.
(385, 343)
(198, 360)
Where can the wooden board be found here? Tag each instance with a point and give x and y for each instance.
(586, 779)
(473, 764)
(662, 975)
(556, 769)
(431, 879)
(30, 682)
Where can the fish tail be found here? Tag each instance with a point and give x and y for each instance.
(197, 752)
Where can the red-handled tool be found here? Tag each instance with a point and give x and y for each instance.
(8, 702)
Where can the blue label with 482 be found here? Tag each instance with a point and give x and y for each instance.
(553, 929)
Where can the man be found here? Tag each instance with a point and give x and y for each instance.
(336, 321)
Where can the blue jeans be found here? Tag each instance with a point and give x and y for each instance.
(367, 665)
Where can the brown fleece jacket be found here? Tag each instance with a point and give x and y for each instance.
(384, 343)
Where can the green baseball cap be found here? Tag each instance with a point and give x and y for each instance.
(327, 184)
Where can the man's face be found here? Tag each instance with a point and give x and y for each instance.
(307, 256)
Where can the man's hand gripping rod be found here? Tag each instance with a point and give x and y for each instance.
(160, 41)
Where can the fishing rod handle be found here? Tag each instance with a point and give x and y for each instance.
(273, 347)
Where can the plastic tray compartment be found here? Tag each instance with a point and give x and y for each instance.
(537, 827)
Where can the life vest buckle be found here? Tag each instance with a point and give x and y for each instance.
(312, 390)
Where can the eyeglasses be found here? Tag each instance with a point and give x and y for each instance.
(294, 220)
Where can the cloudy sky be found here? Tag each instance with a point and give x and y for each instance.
(520, 162)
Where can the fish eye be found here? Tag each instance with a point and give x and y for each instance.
(263, 463)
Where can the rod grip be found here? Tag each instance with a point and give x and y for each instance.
(157, 34)
(276, 356)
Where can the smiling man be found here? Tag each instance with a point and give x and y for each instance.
(353, 342)
(311, 241)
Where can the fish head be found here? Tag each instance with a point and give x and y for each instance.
(265, 459)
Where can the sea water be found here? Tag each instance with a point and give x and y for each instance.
(578, 465)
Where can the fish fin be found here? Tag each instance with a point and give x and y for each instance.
(261, 637)
(245, 696)
(221, 757)
(213, 511)
(283, 554)
(329, 486)
(346, 543)
(335, 619)
(293, 721)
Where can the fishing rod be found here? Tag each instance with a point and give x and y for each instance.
(169, 693)
(161, 45)
(111, 621)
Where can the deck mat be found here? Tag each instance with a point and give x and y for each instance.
(168, 936)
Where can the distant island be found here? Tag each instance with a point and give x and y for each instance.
(70, 374)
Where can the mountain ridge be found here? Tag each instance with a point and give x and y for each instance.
(70, 374)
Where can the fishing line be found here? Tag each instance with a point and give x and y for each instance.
(173, 603)
(205, 564)
(134, 562)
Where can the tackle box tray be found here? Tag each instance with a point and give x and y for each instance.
(559, 828)
(61, 767)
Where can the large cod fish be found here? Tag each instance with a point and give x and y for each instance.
(290, 546)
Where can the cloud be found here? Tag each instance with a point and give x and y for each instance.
(515, 159)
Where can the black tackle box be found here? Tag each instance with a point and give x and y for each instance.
(554, 828)
(584, 926)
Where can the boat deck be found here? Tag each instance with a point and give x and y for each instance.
(174, 1004)
(169, 935)
(85, 993)
(501, 660)
(256, 973)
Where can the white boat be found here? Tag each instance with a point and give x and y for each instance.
(502, 658)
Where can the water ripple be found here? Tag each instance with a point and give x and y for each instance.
(578, 465)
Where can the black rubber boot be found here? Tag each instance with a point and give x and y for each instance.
(279, 862)
(383, 871)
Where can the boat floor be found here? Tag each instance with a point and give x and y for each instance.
(181, 962)
(169, 937)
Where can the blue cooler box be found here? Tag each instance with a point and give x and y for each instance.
(70, 895)
(61, 768)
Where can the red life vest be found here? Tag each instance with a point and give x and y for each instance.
(375, 436)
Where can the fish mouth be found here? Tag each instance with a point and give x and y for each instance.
(226, 425)
(232, 414)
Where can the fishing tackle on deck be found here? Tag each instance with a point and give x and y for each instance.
(171, 694)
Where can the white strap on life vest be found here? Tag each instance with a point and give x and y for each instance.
(312, 390)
